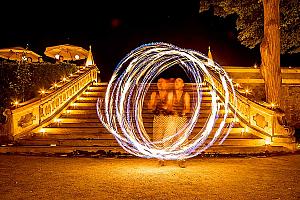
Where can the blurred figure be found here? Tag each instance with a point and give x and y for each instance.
(181, 99)
(161, 104)
(181, 106)
(169, 104)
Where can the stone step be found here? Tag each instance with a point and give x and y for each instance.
(100, 83)
(97, 88)
(79, 120)
(85, 124)
(244, 150)
(68, 135)
(86, 132)
(108, 136)
(69, 142)
(145, 117)
(150, 90)
(206, 101)
(63, 150)
(95, 98)
(92, 110)
(145, 110)
(112, 142)
(82, 104)
(146, 99)
(86, 100)
(86, 121)
(152, 87)
(146, 120)
(92, 93)
(57, 149)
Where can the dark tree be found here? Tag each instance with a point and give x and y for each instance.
(262, 22)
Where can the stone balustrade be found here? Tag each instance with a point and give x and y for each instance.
(31, 114)
(263, 120)
(251, 79)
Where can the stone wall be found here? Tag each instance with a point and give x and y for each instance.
(291, 104)
(290, 100)
(257, 91)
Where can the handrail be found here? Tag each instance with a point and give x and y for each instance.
(31, 114)
(267, 122)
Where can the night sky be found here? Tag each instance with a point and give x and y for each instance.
(115, 28)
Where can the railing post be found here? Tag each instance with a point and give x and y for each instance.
(8, 125)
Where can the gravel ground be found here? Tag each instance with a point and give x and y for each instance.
(33, 177)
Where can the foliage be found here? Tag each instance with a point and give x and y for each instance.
(249, 23)
(22, 81)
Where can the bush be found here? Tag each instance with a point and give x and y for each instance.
(23, 81)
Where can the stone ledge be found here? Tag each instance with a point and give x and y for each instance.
(118, 151)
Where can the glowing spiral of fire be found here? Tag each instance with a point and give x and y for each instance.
(121, 109)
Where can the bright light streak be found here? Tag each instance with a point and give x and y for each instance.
(121, 111)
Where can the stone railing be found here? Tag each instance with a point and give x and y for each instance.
(31, 114)
(266, 122)
(250, 79)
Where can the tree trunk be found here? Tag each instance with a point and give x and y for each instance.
(270, 51)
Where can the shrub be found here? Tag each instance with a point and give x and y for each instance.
(23, 81)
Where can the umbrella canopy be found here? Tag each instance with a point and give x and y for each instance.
(19, 54)
(66, 52)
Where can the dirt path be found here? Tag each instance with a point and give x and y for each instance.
(30, 177)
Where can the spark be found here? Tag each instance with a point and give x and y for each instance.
(121, 111)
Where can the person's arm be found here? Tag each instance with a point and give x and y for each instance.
(187, 104)
(152, 102)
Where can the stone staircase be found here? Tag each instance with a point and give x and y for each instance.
(79, 128)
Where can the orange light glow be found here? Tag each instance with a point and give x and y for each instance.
(57, 120)
(273, 105)
(247, 91)
(42, 131)
(42, 92)
(16, 103)
(268, 141)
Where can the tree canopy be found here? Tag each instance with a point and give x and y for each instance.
(249, 23)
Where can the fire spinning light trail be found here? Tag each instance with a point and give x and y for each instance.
(121, 110)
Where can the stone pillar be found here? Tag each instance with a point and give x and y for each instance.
(8, 125)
